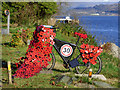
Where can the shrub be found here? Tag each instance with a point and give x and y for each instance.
(16, 40)
(20, 37)
(70, 28)
(26, 35)
(28, 13)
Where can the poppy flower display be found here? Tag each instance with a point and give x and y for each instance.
(84, 36)
(37, 52)
(89, 53)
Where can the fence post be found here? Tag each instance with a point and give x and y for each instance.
(9, 72)
(8, 22)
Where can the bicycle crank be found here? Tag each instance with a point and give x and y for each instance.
(66, 65)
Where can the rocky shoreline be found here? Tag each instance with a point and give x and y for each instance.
(111, 49)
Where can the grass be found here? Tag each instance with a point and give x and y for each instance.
(14, 29)
(110, 65)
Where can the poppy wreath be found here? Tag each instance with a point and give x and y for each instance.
(37, 54)
(89, 53)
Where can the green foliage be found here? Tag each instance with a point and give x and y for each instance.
(20, 37)
(16, 40)
(110, 65)
(69, 28)
(26, 35)
(27, 13)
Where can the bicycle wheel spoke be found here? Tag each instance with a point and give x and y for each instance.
(50, 64)
(82, 69)
(48, 67)
(96, 69)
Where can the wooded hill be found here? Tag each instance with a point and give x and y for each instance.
(102, 9)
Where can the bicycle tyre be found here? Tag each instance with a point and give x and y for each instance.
(87, 69)
(52, 62)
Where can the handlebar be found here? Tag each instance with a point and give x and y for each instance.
(39, 28)
(84, 36)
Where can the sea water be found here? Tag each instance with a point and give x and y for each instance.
(104, 28)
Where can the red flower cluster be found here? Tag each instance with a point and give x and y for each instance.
(38, 53)
(90, 53)
(84, 36)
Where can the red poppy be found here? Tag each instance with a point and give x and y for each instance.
(87, 46)
(85, 60)
(82, 46)
(84, 36)
(90, 53)
(83, 56)
(37, 51)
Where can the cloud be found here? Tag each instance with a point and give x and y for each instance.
(106, 0)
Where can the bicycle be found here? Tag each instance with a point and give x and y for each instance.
(66, 51)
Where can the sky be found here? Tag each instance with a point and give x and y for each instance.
(87, 0)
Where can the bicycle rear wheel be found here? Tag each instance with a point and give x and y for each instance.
(96, 69)
(51, 63)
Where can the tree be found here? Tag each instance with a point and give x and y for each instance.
(62, 8)
(28, 12)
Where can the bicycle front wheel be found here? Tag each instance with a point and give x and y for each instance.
(96, 69)
(51, 63)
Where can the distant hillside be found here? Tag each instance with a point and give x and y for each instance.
(107, 8)
(102, 9)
